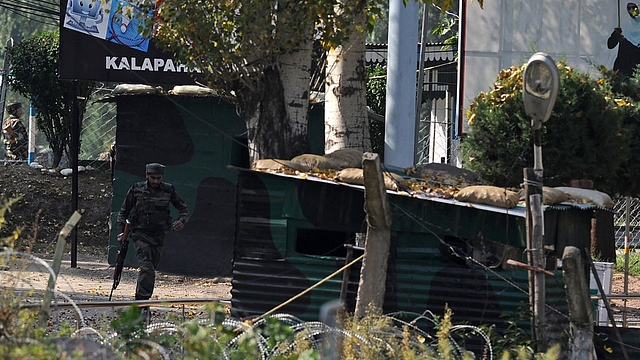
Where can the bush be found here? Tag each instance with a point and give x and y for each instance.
(583, 139)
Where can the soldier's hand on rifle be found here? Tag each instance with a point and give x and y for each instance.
(120, 236)
(178, 225)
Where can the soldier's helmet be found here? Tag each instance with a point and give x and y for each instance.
(155, 168)
(13, 107)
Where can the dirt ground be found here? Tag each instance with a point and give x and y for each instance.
(91, 281)
(45, 206)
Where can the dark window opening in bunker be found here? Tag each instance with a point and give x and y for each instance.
(322, 242)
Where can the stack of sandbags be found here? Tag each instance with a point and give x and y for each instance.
(337, 160)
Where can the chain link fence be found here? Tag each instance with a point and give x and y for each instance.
(627, 214)
(98, 132)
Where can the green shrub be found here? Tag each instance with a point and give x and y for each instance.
(583, 139)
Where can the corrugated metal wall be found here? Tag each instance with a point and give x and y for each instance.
(421, 275)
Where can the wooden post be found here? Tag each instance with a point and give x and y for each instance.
(57, 259)
(579, 303)
(373, 275)
(345, 275)
(535, 252)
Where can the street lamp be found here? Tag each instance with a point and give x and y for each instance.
(539, 91)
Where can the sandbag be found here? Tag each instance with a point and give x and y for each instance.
(310, 162)
(587, 196)
(489, 195)
(346, 158)
(444, 173)
(355, 176)
(136, 89)
(191, 90)
(550, 195)
(275, 165)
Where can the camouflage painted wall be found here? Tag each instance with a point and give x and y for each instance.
(196, 138)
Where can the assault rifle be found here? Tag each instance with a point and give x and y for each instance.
(122, 254)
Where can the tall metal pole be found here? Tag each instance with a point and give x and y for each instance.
(33, 130)
(627, 243)
(420, 84)
(75, 150)
(402, 59)
(540, 88)
(535, 226)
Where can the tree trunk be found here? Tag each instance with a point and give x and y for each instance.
(295, 70)
(57, 157)
(345, 107)
(269, 130)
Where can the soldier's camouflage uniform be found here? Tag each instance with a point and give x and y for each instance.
(148, 210)
(15, 138)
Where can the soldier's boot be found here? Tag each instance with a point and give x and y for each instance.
(145, 310)
(146, 315)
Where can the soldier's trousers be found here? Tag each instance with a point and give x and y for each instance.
(148, 258)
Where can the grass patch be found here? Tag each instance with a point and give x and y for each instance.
(634, 263)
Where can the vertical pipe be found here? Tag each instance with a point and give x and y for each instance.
(75, 150)
(627, 243)
(32, 134)
(462, 39)
(420, 84)
(402, 62)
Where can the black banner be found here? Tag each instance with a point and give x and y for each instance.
(101, 41)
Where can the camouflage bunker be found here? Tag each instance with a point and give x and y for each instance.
(197, 136)
(292, 231)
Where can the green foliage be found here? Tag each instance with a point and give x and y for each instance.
(16, 323)
(628, 181)
(233, 41)
(447, 28)
(10, 240)
(34, 74)
(129, 325)
(514, 341)
(584, 138)
(634, 263)
(223, 38)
